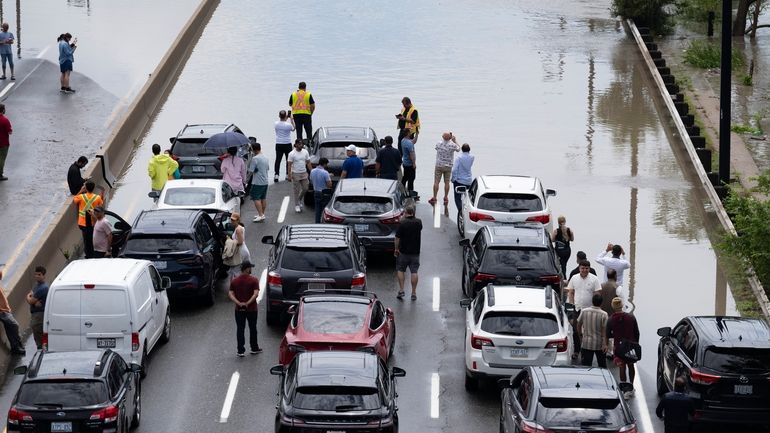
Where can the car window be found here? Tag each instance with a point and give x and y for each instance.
(472, 191)
(197, 196)
(478, 244)
(690, 344)
(732, 360)
(507, 260)
(333, 317)
(68, 393)
(478, 306)
(378, 316)
(679, 333)
(507, 202)
(115, 380)
(336, 398)
(160, 244)
(157, 283)
(336, 150)
(290, 381)
(190, 147)
(520, 324)
(362, 205)
(315, 260)
(576, 413)
(523, 393)
(384, 381)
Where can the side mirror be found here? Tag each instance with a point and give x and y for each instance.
(465, 303)
(165, 283)
(465, 243)
(292, 309)
(664, 332)
(398, 372)
(253, 140)
(268, 240)
(20, 370)
(154, 195)
(171, 140)
(461, 189)
(550, 192)
(504, 383)
(277, 370)
(136, 368)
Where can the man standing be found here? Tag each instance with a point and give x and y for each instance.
(388, 162)
(160, 168)
(74, 180)
(407, 250)
(5, 142)
(353, 166)
(244, 290)
(409, 161)
(283, 127)
(299, 167)
(233, 169)
(580, 256)
(462, 175)
(87, 200)
(408, 122)
(36, 300)
(617, 262)
(102, 234)
(302, 108)
(6, 52)
(322, 184)
(10, 324)
(621, 327)
(580, 291)
(676, 408)
(609, 291)
(592, 326)
(445, 151)
(258, 167)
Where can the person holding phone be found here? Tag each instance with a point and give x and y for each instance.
(74, 180)
(6, 53)
(408, 122)
(67, 46)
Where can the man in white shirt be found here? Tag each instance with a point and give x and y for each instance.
(283, 127)
(445, 151)
(298, 169)
(617, 261)
(580, 291)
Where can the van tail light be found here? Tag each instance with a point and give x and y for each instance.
(478, 216)
(107, 414)
(543, 219)
(395, 219)
(551, 279)
(15, 416)
(274, 280)
(134, 341)
(358, 282)
(45, 341)
(631, 428)
(479, 342)
(703, 378)
(481, 277)
(329, 218)
(89, 286)
(531, 427)
(559, 345)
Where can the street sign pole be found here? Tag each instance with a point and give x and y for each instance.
(725, 93)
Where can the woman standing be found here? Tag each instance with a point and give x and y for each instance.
(239, 236)
(561, 237)
(66, 58)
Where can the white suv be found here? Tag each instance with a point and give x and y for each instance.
(510, 327)
(502, 199)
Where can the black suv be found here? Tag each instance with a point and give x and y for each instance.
(185, 245)
(197, 162)
(311, 257)
(517, 254)
(725, 362)
(563, 399)
(373, 207)
(337, 391)
(84, 392)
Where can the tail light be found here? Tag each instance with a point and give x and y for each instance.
(481, 277)
(544, 219)
(395, 219)
(479, 342)
(134, 341)
(274, 281)
(196, 260)
(45, 341)
(531, 427)
(358, 282)
(478, 216)
(296, 348)
(703, 378)
(107, 414)
(631, 428)
(89, 286)
(551, 279)
(559, 345)
(174, 157)
(329, 218)
(15, 416)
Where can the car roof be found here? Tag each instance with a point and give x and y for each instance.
(317, 235)
(727, 331)
(518, 298)
(193, 183)
(511, 183)
(569, 380)
(517, 234)
(366, 186)
(80, 364)
(165, 221)
(346, 133)
(337, 368)
(99, 271)
(203, 130)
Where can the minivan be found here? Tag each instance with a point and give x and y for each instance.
(117, 304)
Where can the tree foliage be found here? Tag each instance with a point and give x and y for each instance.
(698, 10)
(650, 13)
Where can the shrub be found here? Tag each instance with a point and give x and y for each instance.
(649, 13)
(698, 10)
(703, 54)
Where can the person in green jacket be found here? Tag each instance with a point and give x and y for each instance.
(160, 168)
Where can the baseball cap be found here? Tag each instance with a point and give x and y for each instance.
(246, 265)
(351, 147)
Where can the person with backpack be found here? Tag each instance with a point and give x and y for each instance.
(561, 238)
(624, 329)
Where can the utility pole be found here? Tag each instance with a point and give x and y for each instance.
(724, 93)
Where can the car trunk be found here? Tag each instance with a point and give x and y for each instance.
(107, 311)
(367, 213)
(295, 283)
(508, 208)
(520, 338)
(521, 266)
(743, 381)
(174, 256)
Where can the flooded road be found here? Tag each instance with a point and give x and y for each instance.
(552, 89)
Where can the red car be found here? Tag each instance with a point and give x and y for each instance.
(339, 322)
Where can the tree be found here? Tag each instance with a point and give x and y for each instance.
(747, 18)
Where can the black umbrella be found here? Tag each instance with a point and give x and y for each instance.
(223, 140)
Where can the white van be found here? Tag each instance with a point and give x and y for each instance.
(118, 304)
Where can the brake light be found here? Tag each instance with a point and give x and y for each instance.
(479, 342)
(134, 341)
(559, 345)
(107, 414)
(544, 219)
(395, 219)
(274, 281)
(531, 427)
(551, 279)
(478, 216)
(329, 218)
(631, 428)
(45, 341)
(89, 286)
(703, 378)
(358, 282)
(481, 277)
(15, 416)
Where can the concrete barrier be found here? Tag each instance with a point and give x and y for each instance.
(62, 240)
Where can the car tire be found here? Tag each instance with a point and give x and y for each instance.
(145, 362)
(471, 383)
(660, 382)
(137, 418)
(461, 225)
(166, 335)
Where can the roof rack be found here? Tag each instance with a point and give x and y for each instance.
(491, 295)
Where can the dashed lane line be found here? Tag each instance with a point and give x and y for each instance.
(644, 410)
(6, 89)
(434, 391)
(436, 293)
(284, 208)
(42, 52)
(229, 397)
(436, 217)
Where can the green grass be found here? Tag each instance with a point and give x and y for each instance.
(706, 55)
(747, 80)
(746, 129)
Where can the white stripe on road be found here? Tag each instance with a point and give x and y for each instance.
(434, 388)
(284, 208)
(6, 89)
(436, 293)
(229, 397)
(42, 53)
(644, 415)
(436, 216)
(262, 285)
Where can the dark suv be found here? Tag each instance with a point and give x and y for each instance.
(311, 257)
(197, 162)
(518, 254)
(185, 245)
(725, 362)
(337, 391)
(373, 207)
(84, 392)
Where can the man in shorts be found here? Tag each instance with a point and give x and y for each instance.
(258, 167)
(445, 151)
(6, 50)
(407, 250)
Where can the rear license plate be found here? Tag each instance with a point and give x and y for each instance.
(61, 426)
(198, 169)
(519, 353)
(316, 286)
(361, 227)
(334, 431)
(160, 265)
(105, 343)
(744, 389)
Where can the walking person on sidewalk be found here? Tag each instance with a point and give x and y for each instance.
(388, 162)
(322, 185)
(86, 201)
(160, 168)
(445, 151)
(407, 250)
(561, 238)
(6, 51)
(617, 261)
(258, 167)
(408, 122)
(592, 326)
(75, 180)
(67, 47)
(5, 140)
(462, 174)
(102, 234)
(10, 324)
(409, 162)
(244, 290)
(283, 127)
(299, 167)
(623, 329)
(302, 108)
(580, 256)
(36, 300)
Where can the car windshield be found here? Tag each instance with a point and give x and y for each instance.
(520, 324)
(362, 205)
(333, 317)
(504, 202)
(336, 150)
(193, 147)
(336, 398)
(737, 360)
(194, 196)
(580, 413)
(160, 244)
(505, 261)
(63, 393)
(317, 260)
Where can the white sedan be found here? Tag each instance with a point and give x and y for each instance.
(205, 194)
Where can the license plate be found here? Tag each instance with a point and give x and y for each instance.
(334, 431)
(316, 286)
(61, 426)
(160, 265)
(198, 169)
(519, 353)
(744, 389)
(105, 343)
(361, 227)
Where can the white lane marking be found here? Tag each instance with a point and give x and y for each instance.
(644, 415)
(42, 53)
(284, 208)
(262, 285)
(436, 293)
(229, 397)
(6, 89)
(436, 216)
(434, 388)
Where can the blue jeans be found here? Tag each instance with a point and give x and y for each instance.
(320, 203)
(12, 331)
(458, 196)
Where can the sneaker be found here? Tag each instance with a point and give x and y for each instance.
(297, 209)
(414, 296)
(2, 78)
(241, 354)
(261, 218)
(254, 352)
(70, 90)
(13, 78)
(400, 296)
(275, 178)
(3, 177)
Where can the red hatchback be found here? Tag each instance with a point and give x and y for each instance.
(339, 322)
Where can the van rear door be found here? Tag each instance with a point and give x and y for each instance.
(105, 320)
(63, 319)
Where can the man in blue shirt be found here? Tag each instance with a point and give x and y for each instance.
(461, 173)
(409, 162)
(353, 167)
(322, 183)
(36, 300)
(6, 52)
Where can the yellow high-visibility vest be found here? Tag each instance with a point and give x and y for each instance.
(411, 127)
(301, 103)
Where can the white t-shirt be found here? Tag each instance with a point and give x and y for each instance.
(584, 289)
(283, 132)
(299, 161)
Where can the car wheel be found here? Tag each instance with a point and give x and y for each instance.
(660, 382)
(471, 383)
(461, 224)
(166, 335)
(137, 418)
(145, 362)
